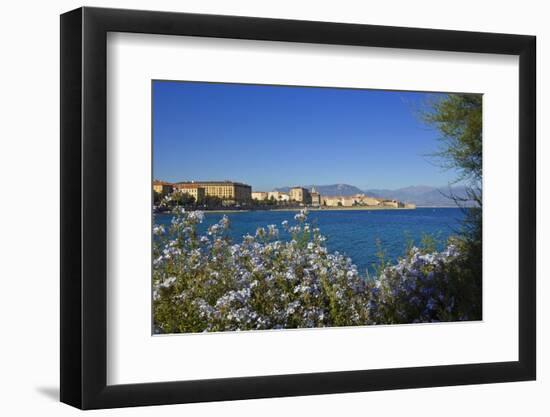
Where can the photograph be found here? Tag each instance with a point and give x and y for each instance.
(284, 207)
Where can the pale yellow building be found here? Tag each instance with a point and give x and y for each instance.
(315, 197)
(259, 195)
(361, 200)
(331, 200)
(162, 187)
(193, 190)
(338, 200)
(233, 192)
(365, 200)
(370, 201)
(391, 203)
(348, 201)
(300, 195)
(278, 196)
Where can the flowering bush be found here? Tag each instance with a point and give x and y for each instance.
(208, 283)
(416, 290)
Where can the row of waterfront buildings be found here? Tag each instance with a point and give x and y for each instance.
(230, 192)
(315, 199)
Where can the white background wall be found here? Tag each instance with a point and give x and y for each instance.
(29, 220)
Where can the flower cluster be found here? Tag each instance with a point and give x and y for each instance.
(209, 283)
(416, 290)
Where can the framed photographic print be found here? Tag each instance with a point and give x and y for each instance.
(257, 208)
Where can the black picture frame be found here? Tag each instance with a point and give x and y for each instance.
(84, 207)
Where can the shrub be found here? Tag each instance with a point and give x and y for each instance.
(208, 283)
(417, 289)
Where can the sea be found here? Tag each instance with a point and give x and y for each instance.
(358, 234)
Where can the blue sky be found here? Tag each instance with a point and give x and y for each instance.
(273, 136)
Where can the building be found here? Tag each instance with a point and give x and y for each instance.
(259, 195)
(278, 196)
(339, 200)
(370, 201)
(193, 190)
(331, 200)
(162, 187)
(410, 206)
(315, 197)
(365, 200)
(390, 203)
(349, 200)
(300, 195)
(228, 191)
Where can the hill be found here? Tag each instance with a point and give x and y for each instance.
(421, 195)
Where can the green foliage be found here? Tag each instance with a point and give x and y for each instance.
(212, 201)
(177, 199)
(458, 117)
(381, 257)
(430, 287)
(428, 243)
(469, 280)
(157, 197)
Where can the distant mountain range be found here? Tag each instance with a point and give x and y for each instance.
(421, 195)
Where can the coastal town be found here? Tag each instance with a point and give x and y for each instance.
(237, 195)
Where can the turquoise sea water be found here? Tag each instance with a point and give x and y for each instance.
(351, 232)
